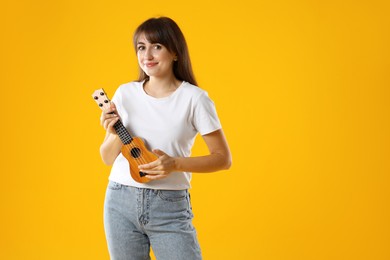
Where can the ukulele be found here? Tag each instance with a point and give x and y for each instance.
(133, 148)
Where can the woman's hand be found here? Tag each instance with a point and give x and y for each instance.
(109, 118)
(159, 168)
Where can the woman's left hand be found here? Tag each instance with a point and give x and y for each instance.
(159, 168)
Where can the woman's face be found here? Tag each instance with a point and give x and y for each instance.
(154, 58)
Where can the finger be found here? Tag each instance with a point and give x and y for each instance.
(109, 113)
(108, 123)
(109, 110)
(112, 122)
(106, 116)
(159, 152)
(155, 172)
(112, 105)
(149, 166)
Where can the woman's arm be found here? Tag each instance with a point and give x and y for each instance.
(111, 146)
(218, 159)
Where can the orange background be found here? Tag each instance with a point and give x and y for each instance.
(302, 90)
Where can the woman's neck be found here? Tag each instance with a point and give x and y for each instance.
(161, 87)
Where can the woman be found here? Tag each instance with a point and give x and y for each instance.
(167, 110)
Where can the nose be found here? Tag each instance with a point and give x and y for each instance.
(148, 54)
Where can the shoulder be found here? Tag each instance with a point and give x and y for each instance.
(193, 91)
(198, 98)
(129, 86)
(126, 90)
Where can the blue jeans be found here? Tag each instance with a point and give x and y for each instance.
(137, 218)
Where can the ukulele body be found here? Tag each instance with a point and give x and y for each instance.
(137, 154)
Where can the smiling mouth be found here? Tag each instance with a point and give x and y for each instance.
(149, 65)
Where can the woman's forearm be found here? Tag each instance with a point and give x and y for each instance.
(219, 158)
(208, 163)
(110, 148)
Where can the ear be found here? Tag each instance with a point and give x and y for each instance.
(174, 57)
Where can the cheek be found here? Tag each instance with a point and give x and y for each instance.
(139, 58)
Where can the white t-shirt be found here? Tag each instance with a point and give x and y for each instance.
(169, 124)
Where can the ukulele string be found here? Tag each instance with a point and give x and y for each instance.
(138, 157)
(135, 151)
(137, 154)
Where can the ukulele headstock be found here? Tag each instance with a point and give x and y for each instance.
(101, 98)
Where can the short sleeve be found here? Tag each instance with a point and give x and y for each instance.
(205, 118)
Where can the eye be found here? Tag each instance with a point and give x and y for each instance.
(140, 48)
(158, 46)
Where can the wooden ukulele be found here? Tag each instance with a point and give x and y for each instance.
(133, 148)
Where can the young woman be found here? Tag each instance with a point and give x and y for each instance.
(167, 110)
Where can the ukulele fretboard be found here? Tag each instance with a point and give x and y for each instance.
(122, 132)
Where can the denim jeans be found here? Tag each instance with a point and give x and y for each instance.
(137, 218)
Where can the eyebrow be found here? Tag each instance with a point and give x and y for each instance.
(142, 43)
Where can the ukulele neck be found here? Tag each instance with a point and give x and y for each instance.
(104, 102)
(122, 132)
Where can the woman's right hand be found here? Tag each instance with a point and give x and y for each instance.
(108, 118)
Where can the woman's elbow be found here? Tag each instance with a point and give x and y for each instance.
(227, 162)
(107, 162)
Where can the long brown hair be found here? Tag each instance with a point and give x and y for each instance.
(165, 31)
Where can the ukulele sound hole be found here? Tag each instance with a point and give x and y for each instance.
(135, 152)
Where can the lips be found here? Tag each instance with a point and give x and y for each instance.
(151, 64)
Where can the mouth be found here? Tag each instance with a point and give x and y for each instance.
(151, 64)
